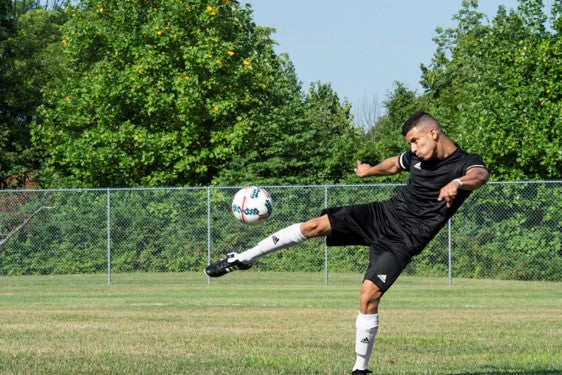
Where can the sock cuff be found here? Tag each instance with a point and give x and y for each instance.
(296, 232)
(281, 239)
(367, 321)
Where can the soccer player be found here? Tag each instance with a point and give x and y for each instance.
(442, 176)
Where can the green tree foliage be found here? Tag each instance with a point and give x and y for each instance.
(30, 62)
(335, 145)
(192, 93)
(308, 139)
(7, 28)
(498, 87)
(174, 93)
(10, 127)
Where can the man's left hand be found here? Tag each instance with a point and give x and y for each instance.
(449, 192)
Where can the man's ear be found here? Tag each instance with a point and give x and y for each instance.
(434, 134)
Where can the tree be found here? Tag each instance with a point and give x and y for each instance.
(307, 140)
(337, 141)
(31, 62)
(172, 93)
(7, 29)
(498, 87)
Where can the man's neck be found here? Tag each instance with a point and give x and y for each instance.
(446, 149)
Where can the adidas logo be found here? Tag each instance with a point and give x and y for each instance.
(275, 240)
(365, 340)
(417, 165)
(382, 278)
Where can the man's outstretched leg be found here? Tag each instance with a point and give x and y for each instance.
(286, 237)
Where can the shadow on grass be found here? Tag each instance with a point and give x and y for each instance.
(512, 371)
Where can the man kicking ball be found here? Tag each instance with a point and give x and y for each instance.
(442, 176)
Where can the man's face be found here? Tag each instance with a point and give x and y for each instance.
(423, 142)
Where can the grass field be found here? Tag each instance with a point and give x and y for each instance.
(176, 324)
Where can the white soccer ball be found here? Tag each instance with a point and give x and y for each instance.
(252, 205)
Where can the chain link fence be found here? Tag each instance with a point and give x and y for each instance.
(508, 230)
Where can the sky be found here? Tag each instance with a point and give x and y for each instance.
(361, 47)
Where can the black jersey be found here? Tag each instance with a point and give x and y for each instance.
(406, 223)
(415, 209)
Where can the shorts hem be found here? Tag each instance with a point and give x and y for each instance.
(382, 287)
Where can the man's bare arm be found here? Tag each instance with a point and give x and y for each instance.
(386, 167)
(472, 180)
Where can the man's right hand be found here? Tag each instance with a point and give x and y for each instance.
(362, 169)
(384, 168)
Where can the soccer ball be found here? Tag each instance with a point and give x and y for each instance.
(252, 205)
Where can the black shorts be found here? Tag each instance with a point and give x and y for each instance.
(384, 267)
(369, 225)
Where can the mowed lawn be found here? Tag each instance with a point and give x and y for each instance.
(275, 323)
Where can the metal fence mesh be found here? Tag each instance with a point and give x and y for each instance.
(503, 231)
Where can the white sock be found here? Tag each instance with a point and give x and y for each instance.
(366, 330)
(282, 239)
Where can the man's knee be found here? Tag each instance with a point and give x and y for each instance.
(369, 298)
(317, 227)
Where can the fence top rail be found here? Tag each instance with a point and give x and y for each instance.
(189, 188)
(241, 186)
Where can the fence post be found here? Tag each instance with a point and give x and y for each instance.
(208, 231)
(325, 243)
(108, 237)
(449, 245)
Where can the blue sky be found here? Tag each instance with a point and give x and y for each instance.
(361, 47)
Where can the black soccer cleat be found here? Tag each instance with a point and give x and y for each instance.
(225, 265)
(361, 372)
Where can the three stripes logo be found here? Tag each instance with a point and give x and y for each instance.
(382, 278)
(365, 340)
(275, 240)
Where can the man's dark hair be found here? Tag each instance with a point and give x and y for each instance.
(416, 119)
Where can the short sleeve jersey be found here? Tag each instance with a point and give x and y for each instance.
(415, 208)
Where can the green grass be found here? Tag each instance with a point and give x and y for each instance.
(274, 323)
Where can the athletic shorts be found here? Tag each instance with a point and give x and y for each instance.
(384, 267)
(369, 225)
